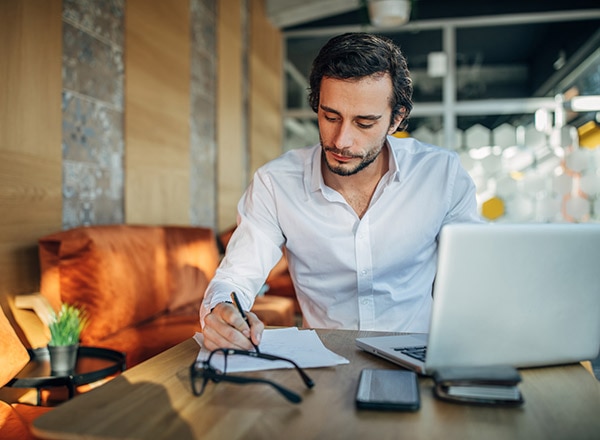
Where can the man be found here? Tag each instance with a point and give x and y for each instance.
(359, 214)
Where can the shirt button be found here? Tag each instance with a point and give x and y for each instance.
(365, 302)
(363, 272)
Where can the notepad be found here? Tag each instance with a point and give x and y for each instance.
(302, 346)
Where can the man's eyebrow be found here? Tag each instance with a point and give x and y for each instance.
(329, 109)
(367, 117)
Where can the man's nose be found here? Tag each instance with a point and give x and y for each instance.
(344, 136)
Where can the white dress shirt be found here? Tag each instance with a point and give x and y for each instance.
(369, 273)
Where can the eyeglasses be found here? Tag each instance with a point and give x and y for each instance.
(202, 371)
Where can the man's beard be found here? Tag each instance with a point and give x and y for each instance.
(341, 169)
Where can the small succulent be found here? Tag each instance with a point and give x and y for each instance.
(66, 325)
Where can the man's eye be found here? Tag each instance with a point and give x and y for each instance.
(365, 126)
(330, 118)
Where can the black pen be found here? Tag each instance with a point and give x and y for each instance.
(239, 307)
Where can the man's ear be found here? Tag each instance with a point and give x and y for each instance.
(397, 120)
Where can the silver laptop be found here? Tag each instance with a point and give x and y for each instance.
(519, 294)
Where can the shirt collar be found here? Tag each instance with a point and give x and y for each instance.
(393, 170)
(312, 170)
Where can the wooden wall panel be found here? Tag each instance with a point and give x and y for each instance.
(157, 111)
(230, 112)
(266, 88)
(30, 137)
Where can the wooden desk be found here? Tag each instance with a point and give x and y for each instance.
(153, 401)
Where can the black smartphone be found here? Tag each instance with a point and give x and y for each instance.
(388, 390)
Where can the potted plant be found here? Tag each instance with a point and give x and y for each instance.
(65, 328)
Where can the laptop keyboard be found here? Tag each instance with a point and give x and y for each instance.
(414, 352)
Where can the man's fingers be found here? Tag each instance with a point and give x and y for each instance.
(256, 327)
(213, 340)
(225, 328)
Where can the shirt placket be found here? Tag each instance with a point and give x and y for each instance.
(364, 274)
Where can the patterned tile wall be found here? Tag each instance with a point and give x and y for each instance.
(203, 143)
(92, 106)
(93, 110)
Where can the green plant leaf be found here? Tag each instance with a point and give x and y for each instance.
(66, 325)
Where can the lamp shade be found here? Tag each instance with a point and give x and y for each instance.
(389, 13)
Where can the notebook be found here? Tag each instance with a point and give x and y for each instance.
(515, 294)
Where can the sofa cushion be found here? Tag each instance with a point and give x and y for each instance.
(13, 354)
(117, 273)
(192, 259)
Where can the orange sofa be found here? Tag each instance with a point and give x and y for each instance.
(141, 286)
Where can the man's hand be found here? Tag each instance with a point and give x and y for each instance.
(224, 327)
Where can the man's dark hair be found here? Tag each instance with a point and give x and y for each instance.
(358, 55)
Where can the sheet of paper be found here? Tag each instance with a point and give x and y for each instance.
(302, 346)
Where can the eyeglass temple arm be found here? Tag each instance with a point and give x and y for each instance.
(288, 394)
